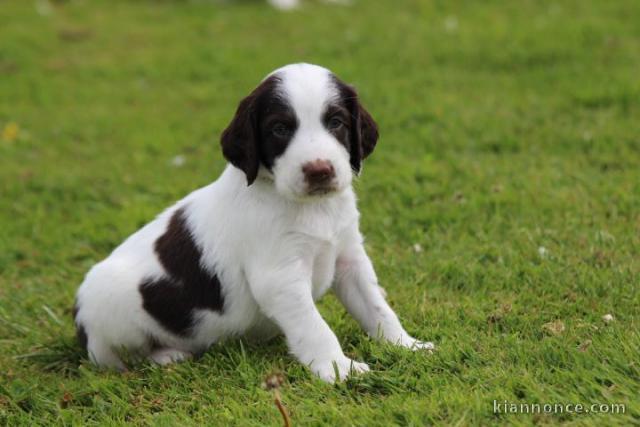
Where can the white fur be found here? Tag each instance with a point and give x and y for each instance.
(274, 250)
(304, 83)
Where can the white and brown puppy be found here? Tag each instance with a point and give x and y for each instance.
(250, 253)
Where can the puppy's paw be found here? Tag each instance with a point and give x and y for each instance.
(414, 344)
(423, 345)
(343, 367)
(167, 356)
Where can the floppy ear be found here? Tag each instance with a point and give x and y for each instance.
(368, 131)
(241, 139)
(364, 130)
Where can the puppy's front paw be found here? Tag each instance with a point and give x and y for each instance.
(423, 345)
(414, 344)
(344, 366)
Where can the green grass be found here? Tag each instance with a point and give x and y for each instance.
(506, 127)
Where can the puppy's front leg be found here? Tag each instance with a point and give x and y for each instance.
(356, 286)
(286, 297)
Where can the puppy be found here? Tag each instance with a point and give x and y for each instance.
(249, 254)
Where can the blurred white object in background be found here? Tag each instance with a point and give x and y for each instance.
(44, 8)
(292, 4)
(284, 4)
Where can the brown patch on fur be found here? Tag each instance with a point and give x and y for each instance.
(172, 299)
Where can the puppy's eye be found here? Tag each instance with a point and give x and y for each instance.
(335, 123)
(281, 130)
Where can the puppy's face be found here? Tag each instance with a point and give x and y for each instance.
(302, 128)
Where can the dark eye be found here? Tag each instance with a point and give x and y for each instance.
(335, 123)
(281, 130)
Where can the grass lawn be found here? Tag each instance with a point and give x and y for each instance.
(501, 207)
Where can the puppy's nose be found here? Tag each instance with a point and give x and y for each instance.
(318, 172)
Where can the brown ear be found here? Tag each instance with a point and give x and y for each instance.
(364, 130)
(368, 132)
(364, 135)
(239, 145)
(241, 139)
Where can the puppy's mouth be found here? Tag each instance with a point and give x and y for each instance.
(321, 190)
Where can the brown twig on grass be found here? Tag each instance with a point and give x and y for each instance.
(272, 383)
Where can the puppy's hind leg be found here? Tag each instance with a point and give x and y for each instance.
(103, 355)
(166, 356)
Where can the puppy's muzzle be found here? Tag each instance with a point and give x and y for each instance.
(319, 176)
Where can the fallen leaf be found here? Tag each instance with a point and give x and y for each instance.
(10, 132)
(584, 346)
(554, 328)
(499, 314)
(67, 398)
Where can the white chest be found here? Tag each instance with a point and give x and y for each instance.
(324, 265)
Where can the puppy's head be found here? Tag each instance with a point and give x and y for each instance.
(304, 129)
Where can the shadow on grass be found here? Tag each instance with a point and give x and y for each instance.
(62, 355)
